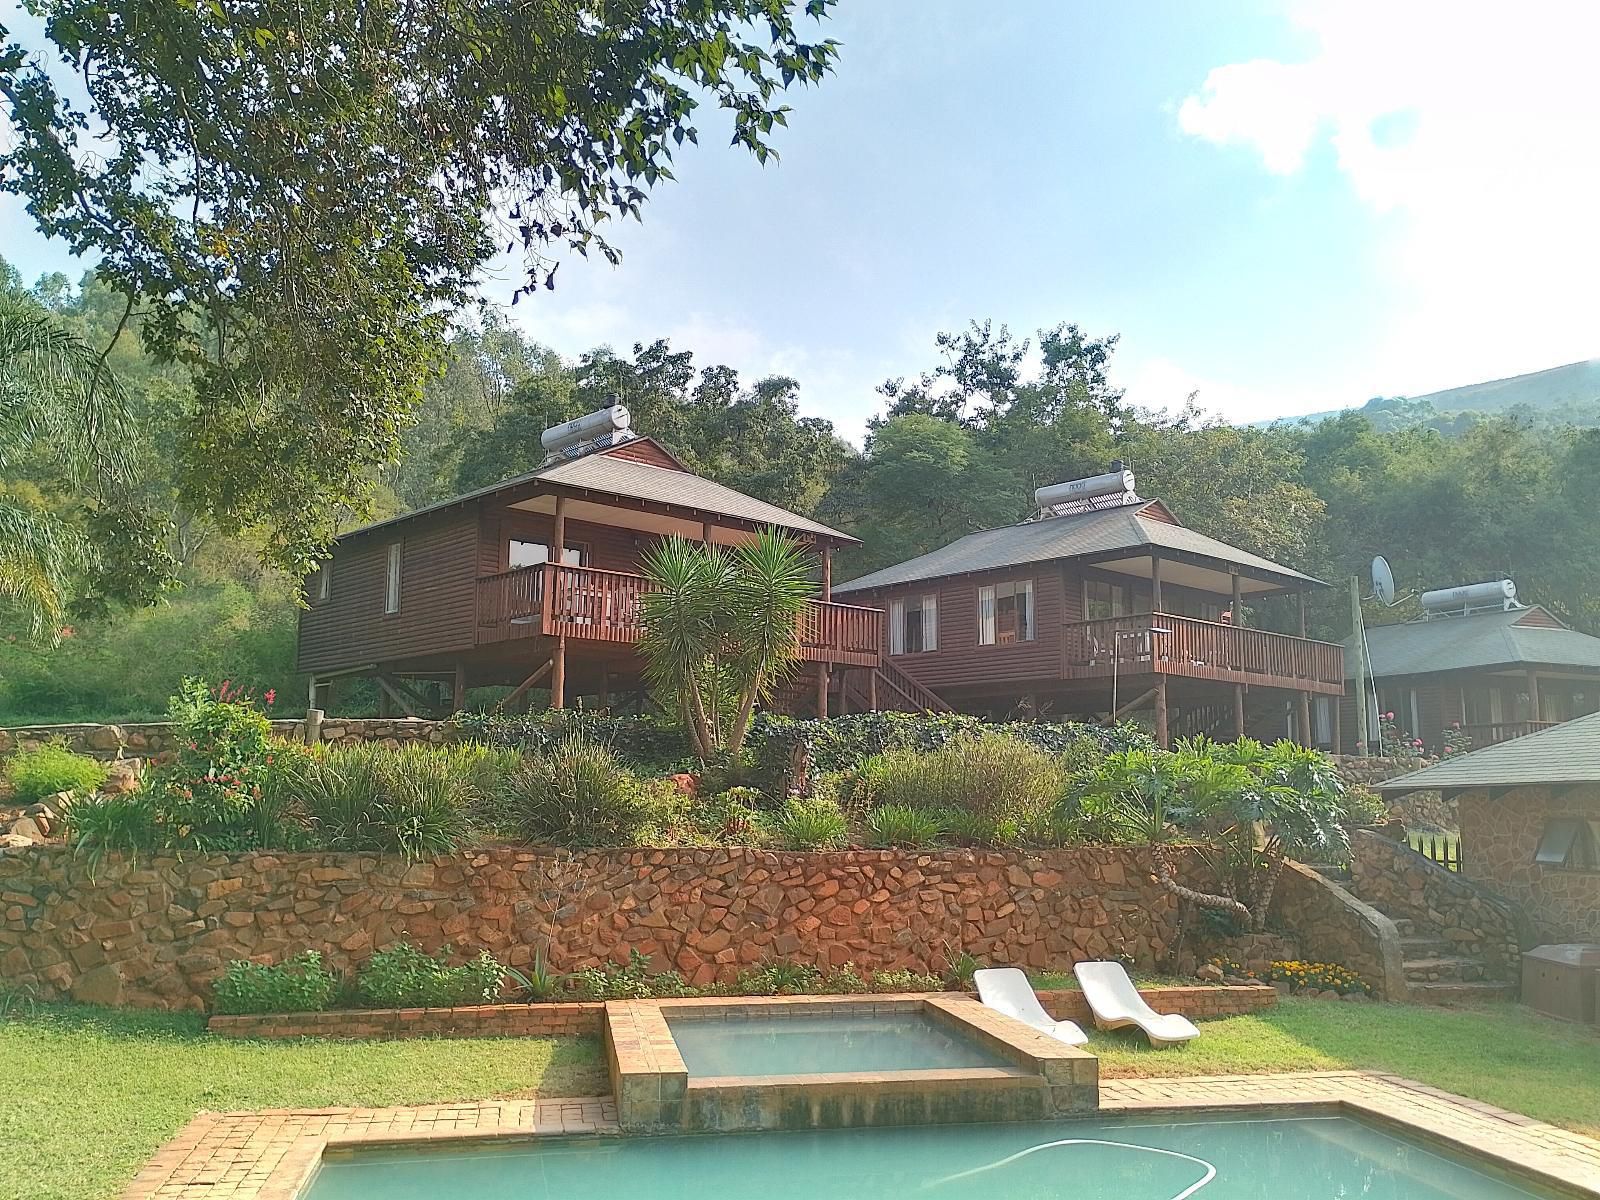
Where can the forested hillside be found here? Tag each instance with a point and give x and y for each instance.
(958, 445)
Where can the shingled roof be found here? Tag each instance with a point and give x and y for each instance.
(1527, 636)
(1563, 754)
(1100, 533)
(610, 475)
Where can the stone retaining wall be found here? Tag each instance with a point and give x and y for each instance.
(156, 931)
(583, 1019)
(148, 739)
(1471, 918)
(1333, 926)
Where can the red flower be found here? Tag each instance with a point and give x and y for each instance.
(270, 695)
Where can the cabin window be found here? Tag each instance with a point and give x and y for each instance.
(1570, 843)
(320, 586)
(1005, 613)
(1484, 706)
(914, 625)
(531, 554)
(391, 591)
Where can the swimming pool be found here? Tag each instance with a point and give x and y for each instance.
(774, 1045)
(1281, 1158)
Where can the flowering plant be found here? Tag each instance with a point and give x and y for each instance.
(224, 749)
(1323, 977)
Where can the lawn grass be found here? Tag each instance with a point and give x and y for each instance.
(88, 1095)
(1502, 1054)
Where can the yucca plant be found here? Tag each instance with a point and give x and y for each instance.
(903, 825)
(721, 631)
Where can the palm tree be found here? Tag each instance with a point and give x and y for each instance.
(722, 630)
(57, 401)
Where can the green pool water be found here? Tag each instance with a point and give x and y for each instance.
(829, 1043)
(1308, 1158)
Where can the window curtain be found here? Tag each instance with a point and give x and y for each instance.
(897, 627)
(986, 615)
(1025, 611)
(930, 622)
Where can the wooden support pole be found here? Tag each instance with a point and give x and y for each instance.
(1238, 711)
(872, 689)
(390, 689)
(385, 704)
(521, 689)
(1338, 733)
(1303, 700)
(1162, 738)
(558, 673)
(827, 572)
(844, 691)
(705, 533)
(1238, 603)
(1138, 701)
(1302, 614)
(1155, 583)
(822, 690)
(458, 692)
(558, 537)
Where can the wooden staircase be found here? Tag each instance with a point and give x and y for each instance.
(896, 688)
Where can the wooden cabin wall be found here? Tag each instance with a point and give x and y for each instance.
(438, 598)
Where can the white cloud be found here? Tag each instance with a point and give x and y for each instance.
(1470, 126)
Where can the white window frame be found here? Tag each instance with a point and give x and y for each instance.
(322, 583)
(391, 579)
(928, 607)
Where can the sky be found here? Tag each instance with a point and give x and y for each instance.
(1282, 207)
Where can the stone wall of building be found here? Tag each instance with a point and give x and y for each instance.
(1499, 838)
(156, 931)
(1333, 926)
(149, 739)
(1473, 919)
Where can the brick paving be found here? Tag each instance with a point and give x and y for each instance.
(268, 1155)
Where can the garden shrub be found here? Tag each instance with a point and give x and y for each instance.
(730, 818)
(631, 980)
(206, 795)
(811, 824)
(904, 825)
(413, 799)
(51, 768)
(644, 743)
(993, 774)
(404, 976)
(298, 984)
(578, 793)
(779, 979)
(905, 980)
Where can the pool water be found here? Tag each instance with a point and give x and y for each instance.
(1299, 1158)
(824, 1044)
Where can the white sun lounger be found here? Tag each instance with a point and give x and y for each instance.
(1007, 990)
(1116, 1003)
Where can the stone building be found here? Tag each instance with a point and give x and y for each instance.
(1529, 813)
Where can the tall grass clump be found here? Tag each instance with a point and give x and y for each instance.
(993, 776)
(377, 798)
(578, 793)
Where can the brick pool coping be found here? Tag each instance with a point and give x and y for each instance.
(655, 1093)
(270, 1155)
(584, 1018)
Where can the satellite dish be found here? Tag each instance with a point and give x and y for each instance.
(1382, 580)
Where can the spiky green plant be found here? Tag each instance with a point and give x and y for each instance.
(722, 630)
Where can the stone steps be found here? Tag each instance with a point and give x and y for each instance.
(1425, 946)
(1406, 926)
(1445, 968)
(1451, 992)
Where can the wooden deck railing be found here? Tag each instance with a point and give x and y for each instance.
(1167, 644)
(597, 605)
(1489, 733)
